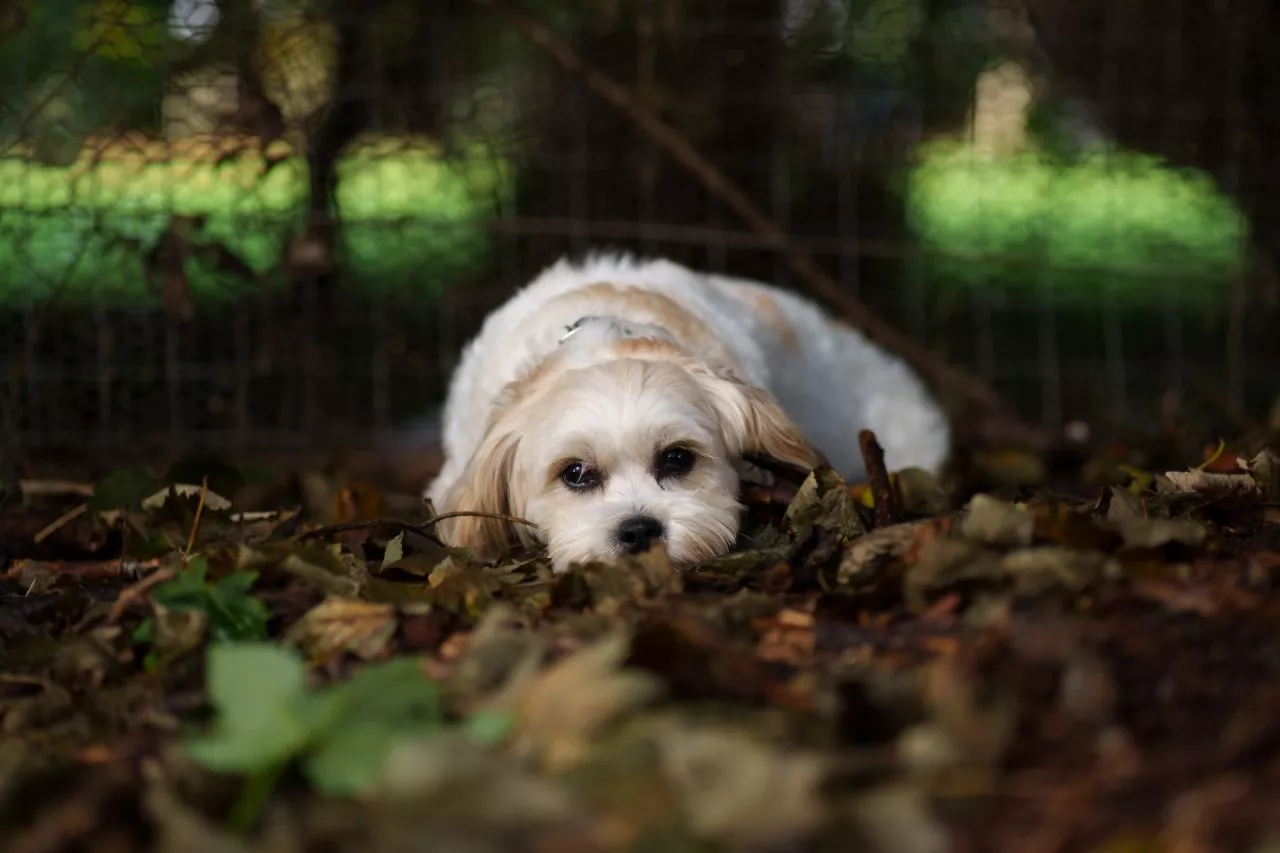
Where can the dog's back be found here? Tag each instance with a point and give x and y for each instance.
(828, 378)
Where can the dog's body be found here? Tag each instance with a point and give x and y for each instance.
(576, 323)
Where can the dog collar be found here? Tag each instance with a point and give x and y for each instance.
(576, 326)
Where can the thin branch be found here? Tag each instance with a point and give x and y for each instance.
(195, 523)
(794, 474)
(948, 381)
(135, 593)
(59, 523)
(54, 488)
(406, 526)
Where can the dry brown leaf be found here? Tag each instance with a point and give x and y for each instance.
(996, 522)
(1124, 506)
(896, 818)
(557, 711)
(1205, 482)
(455, 772)
(1011, 467)
(212, 500)
(338, 625)
(945, 561)
(825, 501)
(498, 652)
(885, 543)
(920, 493)
(1034, 570)
(735, 789)
(1265, 469)
(1158, 532)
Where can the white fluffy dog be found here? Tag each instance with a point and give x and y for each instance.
(611, 401)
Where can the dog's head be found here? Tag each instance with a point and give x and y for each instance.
(612, 457)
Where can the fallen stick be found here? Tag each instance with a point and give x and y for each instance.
(886, 500)
(406, 526)
(82, 570)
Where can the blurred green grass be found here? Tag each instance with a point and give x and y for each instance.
(1119, 227)
(411, 219)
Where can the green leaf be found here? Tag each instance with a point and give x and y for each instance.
(343, 734)
(488, 727)
(350, 759)
(395, 693)
(264, 716)
(223, 478)
(187, 590)
(380, 706)
(233, 613)
(123, 490)
(395, 550)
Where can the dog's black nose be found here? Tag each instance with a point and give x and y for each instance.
(635, 535)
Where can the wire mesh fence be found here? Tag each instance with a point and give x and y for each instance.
(256, 224)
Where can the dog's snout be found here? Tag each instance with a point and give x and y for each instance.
(636, 534)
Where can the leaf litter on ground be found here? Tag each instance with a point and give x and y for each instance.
(1006, 663)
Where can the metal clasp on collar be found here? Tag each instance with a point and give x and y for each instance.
(576, 326)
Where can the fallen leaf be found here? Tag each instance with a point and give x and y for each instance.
(823, 500)
(1157, 532)
(995, 522)
(738, 563)
(943, 562)
(1265, 470)
(469, 780)
(882, 544)
(212, 500)
(1010, 467)
(394, 551)
(254, 688)
(737, 790)
(324, 567)
(556, 712)
(338, 625)
(896, 818)
(122, 490)
(1205, 482)
(1125, 506)
(920, 493)
(1035, 570)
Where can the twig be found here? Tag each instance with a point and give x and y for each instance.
(964, 391)
(195, 522)
(83, 570)
(53, 488)
(887, 512)
(407, 526)
(796, 474)
(59, 523)
(134, 593)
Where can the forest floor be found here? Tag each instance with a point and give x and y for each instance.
(1031, 654)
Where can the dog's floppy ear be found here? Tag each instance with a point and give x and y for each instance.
(755, 423)
(484, 487)
(769, 431)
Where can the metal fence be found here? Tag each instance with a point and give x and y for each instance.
(259, 224)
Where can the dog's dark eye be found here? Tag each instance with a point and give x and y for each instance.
(675, 462)
(575, 475)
